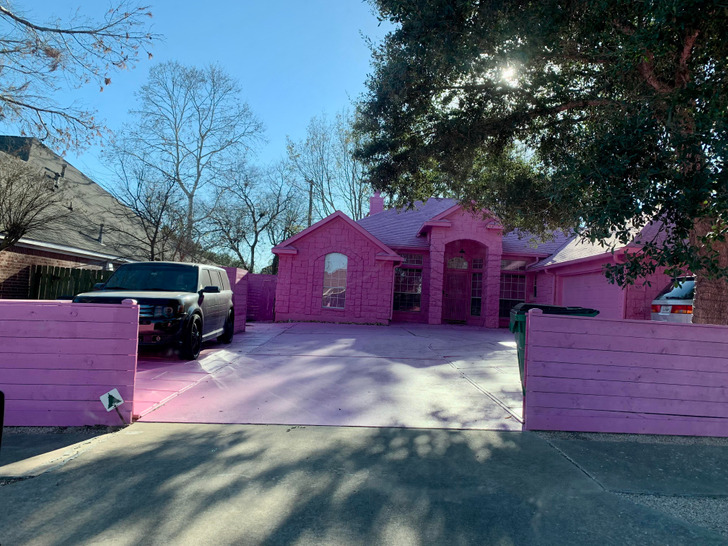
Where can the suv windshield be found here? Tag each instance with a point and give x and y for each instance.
(176, 278)
(684, 291)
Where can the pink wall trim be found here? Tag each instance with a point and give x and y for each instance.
(239, 284)
(625, 376)
(58, 358)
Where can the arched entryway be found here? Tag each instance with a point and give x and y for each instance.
(463, 298)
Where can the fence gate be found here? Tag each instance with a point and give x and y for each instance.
(51, 283)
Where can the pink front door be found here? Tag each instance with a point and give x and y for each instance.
(456, 297)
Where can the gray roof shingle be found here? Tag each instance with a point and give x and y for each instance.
(88, 206)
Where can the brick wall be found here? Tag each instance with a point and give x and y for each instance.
(466, 226)
(300, 278)
(15, 268)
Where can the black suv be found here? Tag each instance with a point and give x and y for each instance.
(180, 304)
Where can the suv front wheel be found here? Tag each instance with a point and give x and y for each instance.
(192, 340)
(228, 328)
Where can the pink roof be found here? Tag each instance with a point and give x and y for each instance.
(400, 228)
(576, 249)
(285, 246)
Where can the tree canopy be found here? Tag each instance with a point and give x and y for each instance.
(598, 116)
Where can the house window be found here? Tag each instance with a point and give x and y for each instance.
(477, 263)
(334, 296)
(458, 262)
(408, 284)
(476, 294)
(411, 259)
(512, 292)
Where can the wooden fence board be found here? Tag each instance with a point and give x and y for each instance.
(629, 373)
(49, 282)
(627, 344)
(626, 359)
(624, 423)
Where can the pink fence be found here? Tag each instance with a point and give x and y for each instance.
(261, 297)
(58, 358)
(628, 376)
(239, 284)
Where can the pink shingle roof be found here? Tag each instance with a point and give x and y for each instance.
(399, 229)
(523, 243)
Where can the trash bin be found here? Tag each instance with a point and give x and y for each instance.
(518, 325)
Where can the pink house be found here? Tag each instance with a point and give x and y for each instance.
(438, 263)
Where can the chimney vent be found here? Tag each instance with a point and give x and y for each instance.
(376, 203)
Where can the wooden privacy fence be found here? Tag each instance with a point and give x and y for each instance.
(58, 358)
(261, 297)
(50, 283)
(625, 376)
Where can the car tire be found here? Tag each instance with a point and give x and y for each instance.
(192, 341)
(228, 329)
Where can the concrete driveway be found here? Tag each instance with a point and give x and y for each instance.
(416, 376)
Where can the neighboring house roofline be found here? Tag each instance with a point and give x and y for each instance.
(67, 250)
(615, 255)
(285, 246)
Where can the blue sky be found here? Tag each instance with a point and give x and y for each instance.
(294, 59)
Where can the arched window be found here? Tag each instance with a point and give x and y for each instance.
(334, 296)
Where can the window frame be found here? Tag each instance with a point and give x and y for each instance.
(337, 297)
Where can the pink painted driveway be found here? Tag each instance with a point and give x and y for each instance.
(416, 376)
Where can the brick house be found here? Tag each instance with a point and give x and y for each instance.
(95, 234)
(439, 263)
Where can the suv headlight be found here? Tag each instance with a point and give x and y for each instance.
(166, 312)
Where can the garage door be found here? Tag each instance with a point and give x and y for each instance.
(592, 290)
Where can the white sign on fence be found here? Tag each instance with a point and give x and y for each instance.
(111, 399)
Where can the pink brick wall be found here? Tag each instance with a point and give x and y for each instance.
(544, 288)
(239, 284)
(300, 278)
(466, 226)
(261, 296)
(15, 268)
(58, 358)
(625, 376)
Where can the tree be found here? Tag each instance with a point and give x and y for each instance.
(190, 128)
(252, 203)
(38, 59)
(330, 175)
(152, 206)
(29, 200)
(604, 117)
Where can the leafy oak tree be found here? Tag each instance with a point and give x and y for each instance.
(607, 117)
(39, 57)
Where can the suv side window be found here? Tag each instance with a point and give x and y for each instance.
(223, 280)
(206, 279)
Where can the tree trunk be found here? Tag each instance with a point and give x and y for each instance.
(711, 294)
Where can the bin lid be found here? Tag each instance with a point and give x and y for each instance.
(523, 308)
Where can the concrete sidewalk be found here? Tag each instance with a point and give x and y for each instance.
(232, 484)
